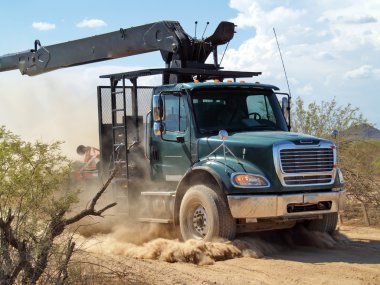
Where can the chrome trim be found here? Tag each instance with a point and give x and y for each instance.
(290, 145)
(340, 176)
(147, 134)
(269, 206)
(245, 173)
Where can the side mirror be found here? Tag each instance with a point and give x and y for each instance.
(284, 106)
(157, 128)
(285, 109)
(158, 108)
(158, 114)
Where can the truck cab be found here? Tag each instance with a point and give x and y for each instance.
(218, 158)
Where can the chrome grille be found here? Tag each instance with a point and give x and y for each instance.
(307, 160)
(305, 180)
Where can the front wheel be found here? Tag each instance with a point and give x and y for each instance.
(326, 224)
(204, 215)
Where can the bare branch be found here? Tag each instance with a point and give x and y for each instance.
(90, 211)
(63, 274)
(8, 232)
(105, 186)
(10, 239)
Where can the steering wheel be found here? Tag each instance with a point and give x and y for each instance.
(256, 116)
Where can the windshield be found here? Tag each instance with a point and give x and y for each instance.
(237, 110)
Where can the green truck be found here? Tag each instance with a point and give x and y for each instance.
(204, 152)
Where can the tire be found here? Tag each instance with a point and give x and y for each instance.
(326, 224)
(204, 215)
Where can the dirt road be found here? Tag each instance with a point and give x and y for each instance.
(350, 257)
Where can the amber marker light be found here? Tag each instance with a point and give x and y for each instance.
(249, 180)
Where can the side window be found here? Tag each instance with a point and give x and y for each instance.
(175, 113)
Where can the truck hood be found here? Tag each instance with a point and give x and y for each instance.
(254, 151)
(253, 148)
(254, 140)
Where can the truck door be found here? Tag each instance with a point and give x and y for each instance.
(170, 154)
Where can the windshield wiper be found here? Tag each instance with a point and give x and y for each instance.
(252, 128)
(208, 132)
(265, 127)
(233, 130)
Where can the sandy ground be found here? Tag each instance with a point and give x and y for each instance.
(352, 256)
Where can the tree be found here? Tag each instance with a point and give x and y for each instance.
(360, 161)
(322, 119)
(33, 210)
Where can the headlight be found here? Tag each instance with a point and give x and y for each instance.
(248, 180)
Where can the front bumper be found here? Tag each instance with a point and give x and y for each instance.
(268, 206)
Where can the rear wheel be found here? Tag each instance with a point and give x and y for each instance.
(326, 224)
(204, 215)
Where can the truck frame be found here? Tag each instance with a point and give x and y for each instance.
(204, 151)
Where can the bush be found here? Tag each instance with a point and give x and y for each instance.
(32, 211)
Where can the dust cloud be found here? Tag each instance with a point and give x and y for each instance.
(61, 105)
(117, 234)
(121, 237)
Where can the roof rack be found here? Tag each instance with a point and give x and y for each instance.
(202, 73)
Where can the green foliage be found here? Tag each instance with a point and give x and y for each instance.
(360, 164)
(362, 156)
(30, 175)
(375, 154)
(321, 119)
(32, 195)
(34, 200)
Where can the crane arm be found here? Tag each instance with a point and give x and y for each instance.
(168, 37)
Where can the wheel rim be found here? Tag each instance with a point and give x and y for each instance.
(199, 222)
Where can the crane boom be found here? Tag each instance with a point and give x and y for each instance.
(177, 48)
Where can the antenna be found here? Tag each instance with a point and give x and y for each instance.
(283, 65)
(196, 24)
(205, 29)
(224, 53)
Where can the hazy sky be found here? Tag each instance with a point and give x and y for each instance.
(331, 49)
